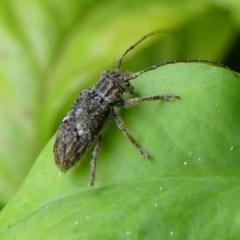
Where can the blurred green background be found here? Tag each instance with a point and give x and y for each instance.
(51, 50)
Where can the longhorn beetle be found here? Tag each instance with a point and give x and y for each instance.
(90, 114)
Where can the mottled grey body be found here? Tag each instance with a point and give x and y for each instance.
(80, 128)
(87, 118)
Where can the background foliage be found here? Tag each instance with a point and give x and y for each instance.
(50, 50)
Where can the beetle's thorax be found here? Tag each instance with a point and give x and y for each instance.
(112, 85)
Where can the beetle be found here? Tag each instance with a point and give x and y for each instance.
(90, 114)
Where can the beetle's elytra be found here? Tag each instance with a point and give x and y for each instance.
(90, 114)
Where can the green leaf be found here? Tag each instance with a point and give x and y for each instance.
(190, 190)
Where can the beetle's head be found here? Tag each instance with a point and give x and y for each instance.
(121, 78)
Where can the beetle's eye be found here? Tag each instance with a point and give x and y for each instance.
(126, 82)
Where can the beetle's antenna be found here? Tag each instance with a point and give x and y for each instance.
(182, 61)
(119, 60)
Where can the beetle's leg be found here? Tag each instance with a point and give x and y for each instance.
(95, 153)
(135, 101)
(121, 126)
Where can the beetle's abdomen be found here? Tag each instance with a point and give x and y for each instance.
(80, 128)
